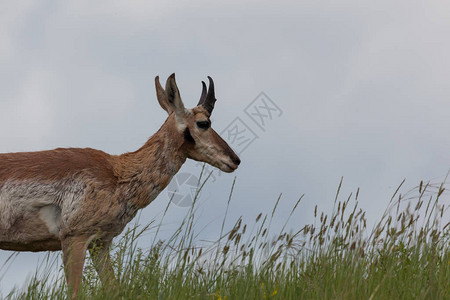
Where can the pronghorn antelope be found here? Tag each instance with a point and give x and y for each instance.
(65, 199)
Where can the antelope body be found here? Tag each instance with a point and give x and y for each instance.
(64, 199)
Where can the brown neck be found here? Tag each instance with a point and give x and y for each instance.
(143, 174)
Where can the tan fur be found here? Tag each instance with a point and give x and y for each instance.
(64, 199)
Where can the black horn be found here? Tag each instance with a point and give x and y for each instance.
(208, 99)
(203, 96)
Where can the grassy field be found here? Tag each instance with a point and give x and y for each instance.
(405, 256)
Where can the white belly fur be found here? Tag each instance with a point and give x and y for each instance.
(51, 215)
(44, 201)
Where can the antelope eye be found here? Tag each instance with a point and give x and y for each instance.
(203, 124)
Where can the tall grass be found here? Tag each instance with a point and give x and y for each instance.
(404, 256)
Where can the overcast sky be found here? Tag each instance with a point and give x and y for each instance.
(359, 89)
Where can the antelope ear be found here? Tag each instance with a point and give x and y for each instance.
(173, 96)
(169, 99)
(162, 97)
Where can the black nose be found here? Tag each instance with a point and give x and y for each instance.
(237, 161)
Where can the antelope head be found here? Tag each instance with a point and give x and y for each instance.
(193, 126)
